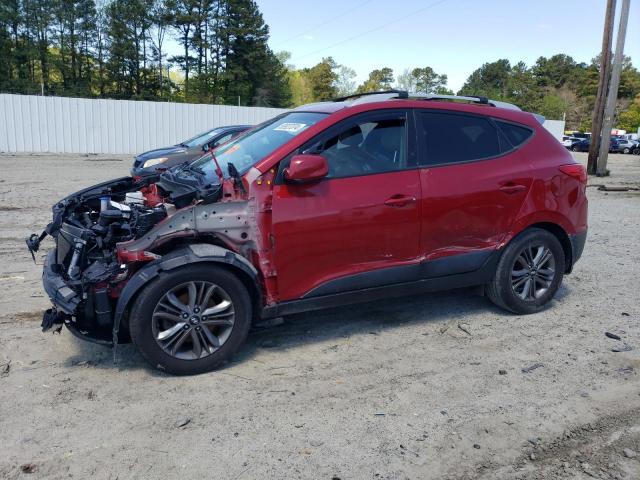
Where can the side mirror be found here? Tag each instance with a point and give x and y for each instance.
(306, 168)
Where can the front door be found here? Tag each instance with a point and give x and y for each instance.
(360, 226)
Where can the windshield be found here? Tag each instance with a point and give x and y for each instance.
(201, 138)
(246, 150)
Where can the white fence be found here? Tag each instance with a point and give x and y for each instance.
(76, 125)
(555, 127)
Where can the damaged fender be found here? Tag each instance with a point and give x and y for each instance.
(195, 253)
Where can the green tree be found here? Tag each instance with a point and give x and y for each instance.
(253, 74)
(379, 80)
(345, 81)
(490, 80)
(322, 79)
(629, 120)
(552, 107)
(428, 81)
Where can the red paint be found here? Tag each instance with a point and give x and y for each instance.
(341, 226)
(307, 168)
(306, 234)
(472, 206)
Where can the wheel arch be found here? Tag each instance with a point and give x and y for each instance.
(560, 233)
(189, 255)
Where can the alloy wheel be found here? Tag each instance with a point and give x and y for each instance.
(533, 272)
(193, 320)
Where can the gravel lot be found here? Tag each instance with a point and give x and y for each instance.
(389, 390)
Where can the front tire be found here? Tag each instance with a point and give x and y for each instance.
(191, 320)
(529, 272)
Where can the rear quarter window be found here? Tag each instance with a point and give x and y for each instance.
(516, 135)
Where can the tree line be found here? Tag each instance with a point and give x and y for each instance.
(118, 49)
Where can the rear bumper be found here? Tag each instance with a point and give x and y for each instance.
(577, 246)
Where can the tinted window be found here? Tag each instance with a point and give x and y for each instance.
(365, 148)
(200, 139)
(515, 134)
(454, 138)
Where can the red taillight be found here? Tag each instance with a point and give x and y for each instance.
(576, 171)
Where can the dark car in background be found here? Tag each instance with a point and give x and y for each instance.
(583, 146)
(159, 160)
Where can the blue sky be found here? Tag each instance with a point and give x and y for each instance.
(452, 36)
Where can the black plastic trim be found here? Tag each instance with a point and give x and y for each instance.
(86, 336)
(578, 241)
(478, 277)
(60, 293)
(191, 254)
(449, 282)
(451, 265)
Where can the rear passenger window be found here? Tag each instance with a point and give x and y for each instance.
(515, 134)
(455, 138)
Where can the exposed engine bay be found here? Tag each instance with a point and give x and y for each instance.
(106, 233)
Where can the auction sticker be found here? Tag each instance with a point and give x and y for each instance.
(290, 127)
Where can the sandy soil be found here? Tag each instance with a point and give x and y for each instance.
(389, 390)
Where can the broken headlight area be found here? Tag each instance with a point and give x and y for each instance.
(82, 275)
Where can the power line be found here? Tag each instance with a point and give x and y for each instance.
(375, 29)
(322, 24)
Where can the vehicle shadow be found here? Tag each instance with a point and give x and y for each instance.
(325, 325)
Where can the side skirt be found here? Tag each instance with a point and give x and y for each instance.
(448, 282)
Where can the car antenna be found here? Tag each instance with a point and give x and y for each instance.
(218, 169)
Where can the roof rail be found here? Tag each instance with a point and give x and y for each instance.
(472, 99)
(402, 94)
(397, 93)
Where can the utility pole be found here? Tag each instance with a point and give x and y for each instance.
(610, 111)
(603, 83)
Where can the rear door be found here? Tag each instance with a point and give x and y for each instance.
(360, 226)
(474, 179)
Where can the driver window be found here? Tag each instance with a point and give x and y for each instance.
(366, 148)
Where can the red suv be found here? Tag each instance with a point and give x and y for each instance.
(329, 204)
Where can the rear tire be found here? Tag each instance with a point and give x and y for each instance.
(192, 319)
(529, 272)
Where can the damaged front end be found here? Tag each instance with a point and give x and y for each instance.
(110, 232)
(81, 275)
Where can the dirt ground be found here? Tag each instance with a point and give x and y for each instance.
(390, 390)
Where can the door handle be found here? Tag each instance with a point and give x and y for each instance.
(400, 201)
(512, 188)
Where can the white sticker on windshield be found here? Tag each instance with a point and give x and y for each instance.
(290, 127)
